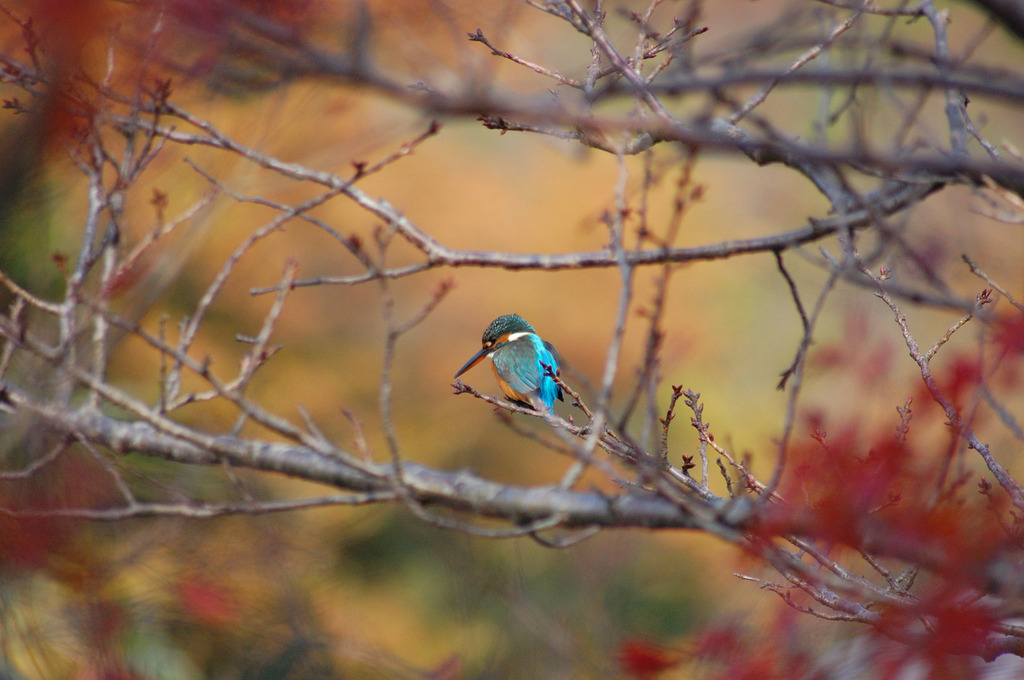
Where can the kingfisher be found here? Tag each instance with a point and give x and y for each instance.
(519, 357)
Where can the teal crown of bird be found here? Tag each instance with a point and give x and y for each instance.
(523, 363)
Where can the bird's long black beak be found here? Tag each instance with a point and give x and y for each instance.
(474, 361)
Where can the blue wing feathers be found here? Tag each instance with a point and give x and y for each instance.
(521, 362)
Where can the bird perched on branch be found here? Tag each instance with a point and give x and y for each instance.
(523, 363)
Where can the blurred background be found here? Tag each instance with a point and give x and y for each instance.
(374, 592)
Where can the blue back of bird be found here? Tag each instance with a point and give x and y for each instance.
(521, 363)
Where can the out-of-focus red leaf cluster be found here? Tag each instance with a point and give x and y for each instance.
(207, 602)
(884, 497)
(27, 543)
(1010, 334)
(31, 541)
(957, 628)
(954, 628)
(960, 379)
(834, 481)
(70, 42)
(778, 648)
(63, 28)
(644, 660)
(729, 651)
(71, 25)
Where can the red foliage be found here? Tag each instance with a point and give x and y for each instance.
(719, 642)
(29, 542)
(1010, 335)
(879, 496)
(207, 602)
(66, 26)
(1010, 339)
(216, 24)
(832, 484)
(954, 638)
(961, 378)
(773, 651)
(69, 39)
(957, 630)
(643, 660)
(780, 648)
(962, 536)
(70, 25)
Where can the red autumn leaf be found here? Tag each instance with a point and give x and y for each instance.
(643, 660)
